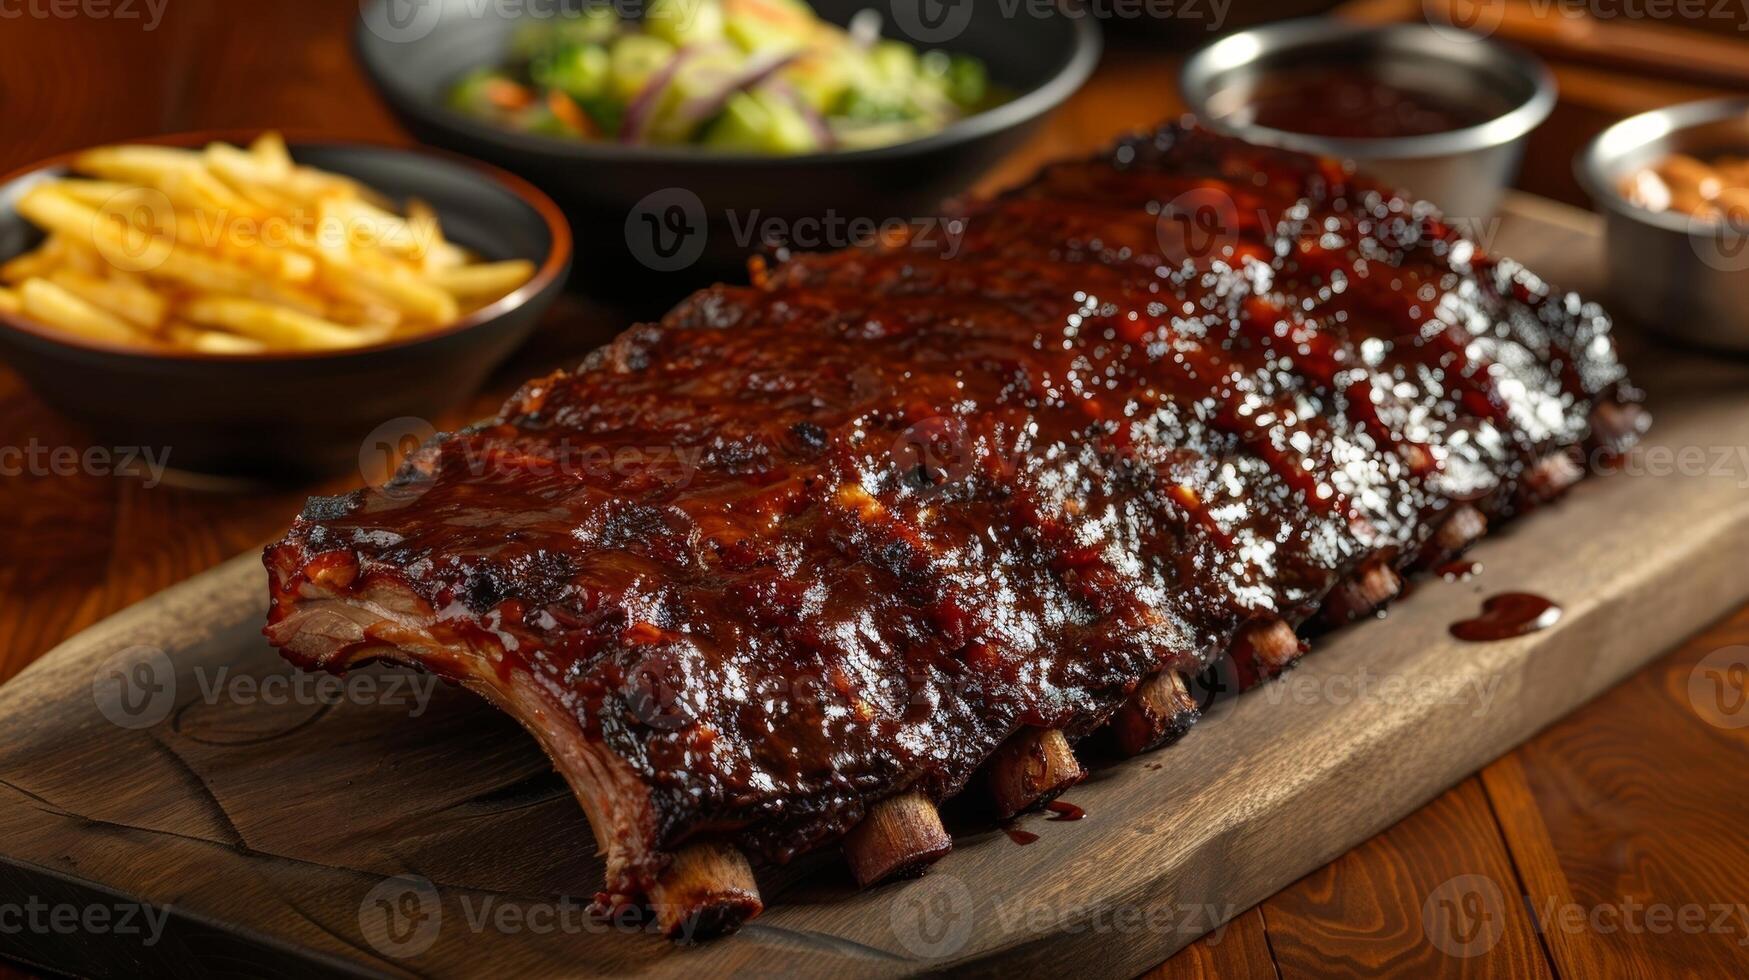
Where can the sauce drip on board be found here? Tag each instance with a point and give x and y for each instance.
(1064, 811)
(1018, 836)
(1508, 615)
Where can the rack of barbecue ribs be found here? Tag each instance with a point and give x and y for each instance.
(789, 567)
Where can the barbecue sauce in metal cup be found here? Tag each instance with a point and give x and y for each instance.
(1354, 102)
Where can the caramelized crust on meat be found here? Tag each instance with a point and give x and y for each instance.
(806, 545)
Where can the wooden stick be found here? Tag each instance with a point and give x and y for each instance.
(1031, 768)
(707, 890)
(1159, 711)
(900, 836)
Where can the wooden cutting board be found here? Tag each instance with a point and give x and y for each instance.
(173, 796)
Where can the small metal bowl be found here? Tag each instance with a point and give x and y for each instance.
(1682, 276)
(1464, 171)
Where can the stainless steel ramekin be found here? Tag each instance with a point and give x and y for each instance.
(1685, 277)
(1464, 171)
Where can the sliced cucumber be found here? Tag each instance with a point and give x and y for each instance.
(761, 122)
(635, 59)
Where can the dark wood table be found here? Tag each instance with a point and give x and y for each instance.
(1632, 804)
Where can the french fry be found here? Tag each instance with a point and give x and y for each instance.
(126, 298)
(277, 326)
(230, 249)
(395, 287)
(212, 341)
(490, 279)
(44, 301)
(135, 164)
(90, 192)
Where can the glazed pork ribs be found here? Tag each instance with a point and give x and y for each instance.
(804, 558)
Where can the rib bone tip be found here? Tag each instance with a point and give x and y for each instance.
(708, 890)
(901, 835)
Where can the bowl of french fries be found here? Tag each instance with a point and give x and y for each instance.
(254, 307)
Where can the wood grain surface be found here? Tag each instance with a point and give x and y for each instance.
(1633, 799)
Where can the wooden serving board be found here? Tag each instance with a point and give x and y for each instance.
(166, 769)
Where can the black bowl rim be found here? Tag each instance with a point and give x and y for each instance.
(552, 269)
(1023, 108)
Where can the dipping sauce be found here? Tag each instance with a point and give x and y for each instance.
(1350, 102)
(1508, 615)
(1689, 185)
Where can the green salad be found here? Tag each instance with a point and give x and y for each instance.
(760, 76)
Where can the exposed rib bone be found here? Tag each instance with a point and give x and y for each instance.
(1373, 585)
(1461, 528)
(1551, 476)
(1161, 709)
(1615, 424)
(1031, 768)
(901, 835)
(1264, 649)
(707, 890)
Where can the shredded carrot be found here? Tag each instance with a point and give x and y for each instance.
(568, 112)
(507, 94)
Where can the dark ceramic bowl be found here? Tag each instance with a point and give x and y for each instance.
(301, 414)
(627, 202)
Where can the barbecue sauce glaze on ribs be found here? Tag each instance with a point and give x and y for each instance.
(813, 542)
